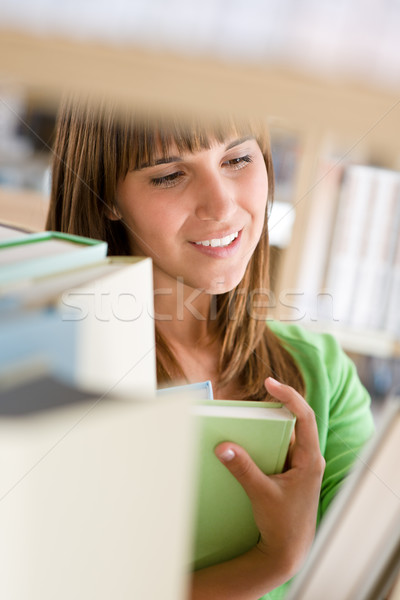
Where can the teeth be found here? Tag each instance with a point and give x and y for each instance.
(225, 241)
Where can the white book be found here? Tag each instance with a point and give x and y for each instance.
(355, 554)
(45, 253)
(116, 334)
(317, 240)
(392, 318)
(95, 493)
(349, 236)
(111, 307)
(7, 232)
(377, 254)
(385, 275)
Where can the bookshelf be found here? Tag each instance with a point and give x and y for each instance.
(306, 270)
(361, 341)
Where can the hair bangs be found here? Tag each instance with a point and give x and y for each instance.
(146, 140)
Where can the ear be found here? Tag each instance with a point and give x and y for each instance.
(112, 213)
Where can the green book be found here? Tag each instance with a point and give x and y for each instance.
(224, 523)
(41, 254)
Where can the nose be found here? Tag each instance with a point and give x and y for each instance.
(215, 198)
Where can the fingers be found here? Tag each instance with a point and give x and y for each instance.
(239, 463)
(304, 454)
(305, 418)
(306, 446)
(290, 398)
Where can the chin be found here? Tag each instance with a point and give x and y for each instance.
(222, 286)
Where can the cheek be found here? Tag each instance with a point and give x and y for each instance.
(152, 228)
(257, 194)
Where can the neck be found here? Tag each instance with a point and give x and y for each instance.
(184, 316)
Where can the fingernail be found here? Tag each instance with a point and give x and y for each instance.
(226, 455)
(273, 381)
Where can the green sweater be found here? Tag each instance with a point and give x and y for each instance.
(341, 405)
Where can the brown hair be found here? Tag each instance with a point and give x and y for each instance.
(93, 150)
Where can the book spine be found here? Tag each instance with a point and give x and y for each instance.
(392, 319)
(376, 252)
(348, 240)
(317, 241)
(385, 264)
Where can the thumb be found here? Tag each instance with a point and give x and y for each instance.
(242, 467)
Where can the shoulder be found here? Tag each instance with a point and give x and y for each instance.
(306, 345)
(330, 377)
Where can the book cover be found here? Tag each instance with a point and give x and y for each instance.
(37, 335)
(224, 523)
(200, 391)
(107, 308)
(39, 254)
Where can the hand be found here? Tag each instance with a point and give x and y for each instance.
(284, 505)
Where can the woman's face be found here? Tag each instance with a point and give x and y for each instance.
(199, 216)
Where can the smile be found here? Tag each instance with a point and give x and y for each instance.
(221, 242)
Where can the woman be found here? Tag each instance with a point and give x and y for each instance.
(195, 199)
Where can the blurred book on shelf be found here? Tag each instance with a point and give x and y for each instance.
(362, 269)
(82, 478)
(316, 242)
(348, 275)
(97, 312)
(39, 254)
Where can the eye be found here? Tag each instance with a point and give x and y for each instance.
(167, 180)
(239, 162)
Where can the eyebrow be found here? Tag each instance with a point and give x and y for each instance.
(239, 141)
(171, 159)
(160, 161)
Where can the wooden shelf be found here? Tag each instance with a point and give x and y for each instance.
(23, 208)
(133, 76)
(366, 342)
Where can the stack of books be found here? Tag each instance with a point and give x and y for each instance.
(90, 316)
(87, 448)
